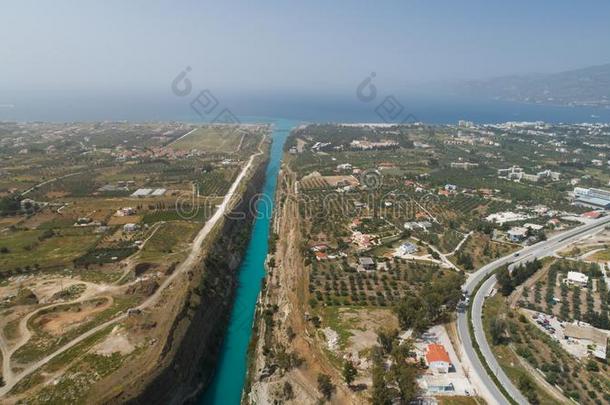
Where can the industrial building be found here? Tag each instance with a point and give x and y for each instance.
(592, 197)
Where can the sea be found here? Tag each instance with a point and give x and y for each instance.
(427, 108)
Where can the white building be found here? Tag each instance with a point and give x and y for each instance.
(530, 177)
(517, 233)
(142, 192)
(407, 248)
(504, 217)
(130, 227)
(576, 278)
(463, 165)
(124, 212)
(533, 227)
(555, 176)
(423, 225)
(593, 197)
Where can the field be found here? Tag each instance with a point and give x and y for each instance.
(337, 283)
(603, 256)
(25, 250)
(479, 249)
(168, 243)
(217, 139)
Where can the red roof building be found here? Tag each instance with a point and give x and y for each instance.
(592, 214)
(321, 256)
(438, 358)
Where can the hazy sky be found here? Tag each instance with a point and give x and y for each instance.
(270, 46)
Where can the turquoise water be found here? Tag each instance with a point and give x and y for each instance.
(230, 374)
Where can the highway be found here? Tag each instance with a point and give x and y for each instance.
(490, 391)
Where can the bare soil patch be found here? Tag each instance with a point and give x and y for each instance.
(57, 323)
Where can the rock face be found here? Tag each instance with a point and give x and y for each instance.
(190, 353)
(144, 287)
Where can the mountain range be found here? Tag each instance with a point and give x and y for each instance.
(588, 86)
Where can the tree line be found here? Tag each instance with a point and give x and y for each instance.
(509, 280)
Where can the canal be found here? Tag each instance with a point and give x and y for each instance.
(230, 374)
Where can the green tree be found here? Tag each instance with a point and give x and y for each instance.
(506, 283)
(497, 329)
(527, 387)
(386, 339)
(592, 366)
(412, 314)
(380, 394)
(325, 386)
(406, 375)
(349, 372)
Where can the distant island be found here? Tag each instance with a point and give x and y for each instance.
(587, 87)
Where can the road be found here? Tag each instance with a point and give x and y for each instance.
(11, 379)
(545, 248)
(182, 137)
(54, 179)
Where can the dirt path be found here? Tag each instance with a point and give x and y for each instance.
(48, 182)
(459, 245)
(92, 291)
(241, 142)
(182, 137)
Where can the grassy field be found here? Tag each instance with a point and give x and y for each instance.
(169, 241)
(604, 255)
(44, 249)
(481, 250)
(214, 139)
(198, 215)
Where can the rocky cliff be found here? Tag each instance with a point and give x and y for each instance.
(190, 352)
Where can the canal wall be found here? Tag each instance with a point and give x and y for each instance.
(191, 350)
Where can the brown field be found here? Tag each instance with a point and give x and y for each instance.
(129, 219)
(57, 323)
